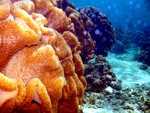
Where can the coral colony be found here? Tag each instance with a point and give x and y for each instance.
(40, 67)
(102, 31)
(51, 54)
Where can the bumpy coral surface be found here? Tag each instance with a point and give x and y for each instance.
(40, 69)
(99, 75)
(80, 25)
(102, 30)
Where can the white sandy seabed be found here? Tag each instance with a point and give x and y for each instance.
(128, 71)
(92, 110)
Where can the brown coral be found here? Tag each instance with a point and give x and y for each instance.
(79, 25)
(99, 75)
(102, 30)
(40, 69)
(56, 18)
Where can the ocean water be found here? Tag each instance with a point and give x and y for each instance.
(131, 20)
(129, 57)
(129, 15)
(125, 13)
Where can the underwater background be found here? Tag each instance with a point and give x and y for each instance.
(88, 56)
(129, 57)
(124, 13)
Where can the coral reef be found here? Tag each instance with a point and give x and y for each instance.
(130, 100)
(100, 76)
(135, 39)
(102, 30)
(40, 68)
(79, 25)
(63, 4)
(144, 55)
(131, 37)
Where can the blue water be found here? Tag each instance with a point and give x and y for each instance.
(132, 16)
(125, 13)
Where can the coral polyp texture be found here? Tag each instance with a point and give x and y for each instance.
(80, 25)
(102, 30)
(99, 76)
(40, 69)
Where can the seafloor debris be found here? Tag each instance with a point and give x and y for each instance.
(40, 69)
(129, 100)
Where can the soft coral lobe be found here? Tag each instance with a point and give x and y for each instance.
(39, 59)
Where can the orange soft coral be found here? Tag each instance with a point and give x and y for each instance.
(40, 69)
(56, 17)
